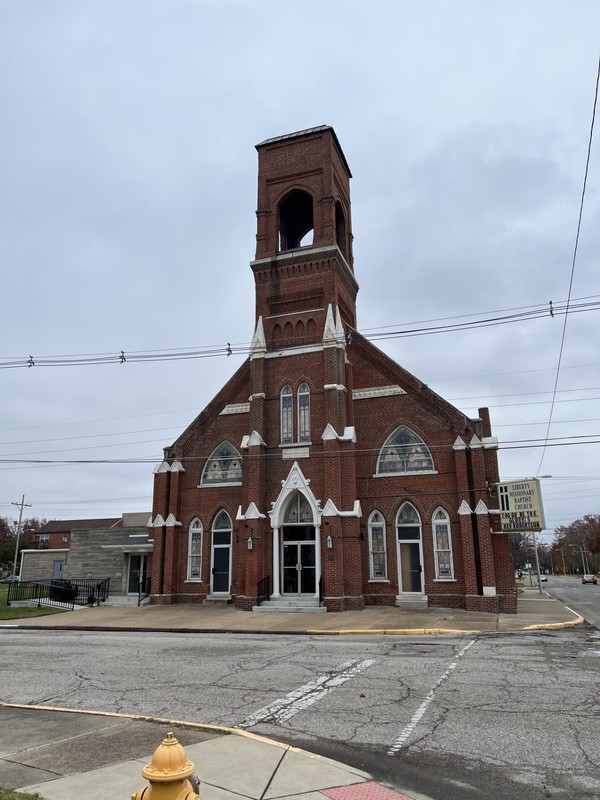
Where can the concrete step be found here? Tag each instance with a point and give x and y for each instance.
(290, 605)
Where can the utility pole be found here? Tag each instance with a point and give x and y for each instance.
(20, 506)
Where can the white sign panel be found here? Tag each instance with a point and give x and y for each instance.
(521, 506)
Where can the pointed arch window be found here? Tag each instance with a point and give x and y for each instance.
(408, 523)
(287, 416)
(404, 452)
(194, 569)
(224, 465)
(442, 545)
(377, 550)
(303, 413)
(298, 511)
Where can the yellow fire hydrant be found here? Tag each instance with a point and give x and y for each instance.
(168, 773)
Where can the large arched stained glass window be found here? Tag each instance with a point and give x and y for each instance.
(404, 452)
(223, 466)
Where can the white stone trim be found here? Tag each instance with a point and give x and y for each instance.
(252, 512)
(377, 391)
(329, 332)
(490, 442)
(164, 466)
(405, 474)
(236, 408)
(295, 313)
(481, 508)
(258, 348)
(177, 466)
(289, 453)
(329, 434)
(459, 444)
(304, 251)
(464, 509)
(257, 396)
(489, 591)
(475, 443)
(339, 386)
(252, 440)
(171, 522)
(295, 351)
(330, 510)
(158, 522)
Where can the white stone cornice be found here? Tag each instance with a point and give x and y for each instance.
(459, 444)
(177, 466)
(337, 386)
(158, 522)
(160, 468)
(256, 439)
(377, 391)
(475, 443)
(171, 522)
(464, 509)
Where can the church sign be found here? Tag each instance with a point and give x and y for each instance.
(521, 506)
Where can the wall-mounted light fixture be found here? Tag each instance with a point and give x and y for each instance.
(329, 542)
(249, 543)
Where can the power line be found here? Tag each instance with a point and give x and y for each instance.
(214, 351)
(567, 308)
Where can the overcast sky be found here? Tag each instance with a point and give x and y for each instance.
(127, 218)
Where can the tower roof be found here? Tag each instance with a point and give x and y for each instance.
(307, 132)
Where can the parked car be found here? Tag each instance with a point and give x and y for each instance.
(543, 578)
(590, 579)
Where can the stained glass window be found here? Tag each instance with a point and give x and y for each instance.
(378, 559)
(195, 551)
(287, 425)
(303, 413)
(442, 545)
(404, 452)
(223, 466)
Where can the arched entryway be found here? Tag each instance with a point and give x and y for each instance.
(298, 545)
(296, 525)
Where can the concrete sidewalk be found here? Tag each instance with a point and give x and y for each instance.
(67, 755)
(535, 611)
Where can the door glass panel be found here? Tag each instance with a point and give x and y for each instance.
(410, 567)
(290, 569)
(220, 569)
(137, 573)
(307, 574)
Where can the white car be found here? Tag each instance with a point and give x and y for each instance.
(543, 578)
(590, 579)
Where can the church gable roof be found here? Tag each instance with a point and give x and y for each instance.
(235, 390)
(370, 362)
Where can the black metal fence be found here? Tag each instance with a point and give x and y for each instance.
(60, 593)
(144, 590)
(263, 590)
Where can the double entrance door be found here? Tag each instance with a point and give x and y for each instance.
(299, 560)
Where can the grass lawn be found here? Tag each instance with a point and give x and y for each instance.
(20, 612)
(6, 794)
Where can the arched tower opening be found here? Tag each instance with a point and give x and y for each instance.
(296, 224)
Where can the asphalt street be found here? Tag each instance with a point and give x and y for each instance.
(454, 717)
(583, 598)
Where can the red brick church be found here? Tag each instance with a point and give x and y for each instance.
(323, 474)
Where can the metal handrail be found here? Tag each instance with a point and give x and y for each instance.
(144, 590)
(263, 590)
(61, 593)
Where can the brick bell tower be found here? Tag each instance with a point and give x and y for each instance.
(305, 308)
(304, 258)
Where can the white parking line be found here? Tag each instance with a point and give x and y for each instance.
(402, 739)
(306, 695)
